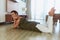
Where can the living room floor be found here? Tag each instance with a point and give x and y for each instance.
(8, 33)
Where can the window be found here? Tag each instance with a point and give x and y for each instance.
(40, 8)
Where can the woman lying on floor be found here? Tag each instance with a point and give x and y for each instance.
(22, 23)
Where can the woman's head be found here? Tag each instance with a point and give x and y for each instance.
(14, 14)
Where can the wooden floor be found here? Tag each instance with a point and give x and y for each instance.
(8, 33)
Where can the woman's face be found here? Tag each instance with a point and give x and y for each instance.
(14, 16)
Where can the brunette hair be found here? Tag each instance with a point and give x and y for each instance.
(15, 12)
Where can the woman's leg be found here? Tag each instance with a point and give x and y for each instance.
(48, 27)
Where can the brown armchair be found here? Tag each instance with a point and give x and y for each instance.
(55, 17)
(8, 17)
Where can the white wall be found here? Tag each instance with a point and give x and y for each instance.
(2, 10)
(10, 6)
(16, 6)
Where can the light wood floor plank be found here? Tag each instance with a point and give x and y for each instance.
(8, 33)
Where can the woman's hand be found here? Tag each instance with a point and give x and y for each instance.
(16, 23)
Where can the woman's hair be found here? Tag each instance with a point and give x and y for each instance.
(15, 12)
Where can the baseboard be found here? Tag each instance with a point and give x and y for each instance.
(4, 23)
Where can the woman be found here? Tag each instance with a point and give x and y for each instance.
(16, 18)
(22, 23)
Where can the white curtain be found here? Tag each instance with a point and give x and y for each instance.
(40, 8)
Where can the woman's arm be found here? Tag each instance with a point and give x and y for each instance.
(16, 23)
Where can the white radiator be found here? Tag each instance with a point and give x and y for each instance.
(2, 10)
(2, 17)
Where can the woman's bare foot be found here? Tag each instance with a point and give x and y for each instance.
(51, 12)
